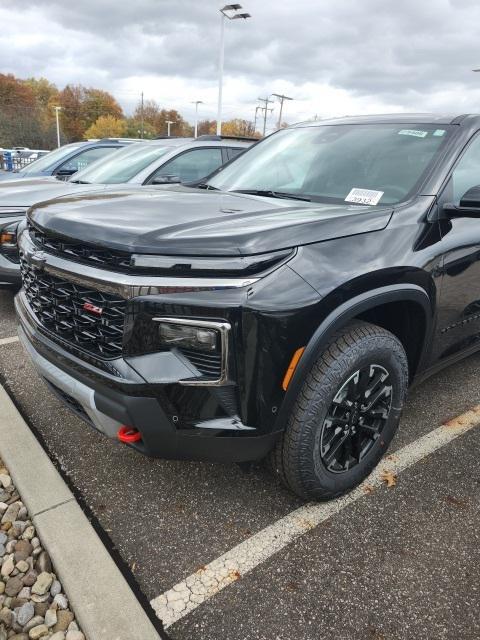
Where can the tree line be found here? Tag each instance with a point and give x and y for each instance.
(27, 116)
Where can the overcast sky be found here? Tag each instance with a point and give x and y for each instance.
(334, 57)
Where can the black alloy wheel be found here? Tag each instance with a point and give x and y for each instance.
(345, 415)
(356, 418)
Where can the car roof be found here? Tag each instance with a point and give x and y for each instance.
(193, 142)
(393, 118)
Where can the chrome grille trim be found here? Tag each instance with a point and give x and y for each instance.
(122, 284)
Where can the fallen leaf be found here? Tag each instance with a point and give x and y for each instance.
(456, 502)
(234, 574)
(133, 566)
(368, 488)
(201, 569)
(389, 478)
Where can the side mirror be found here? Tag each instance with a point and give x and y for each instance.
(63, 174)
(469, 206)
(166, 179)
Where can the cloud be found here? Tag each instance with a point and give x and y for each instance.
(334, 57)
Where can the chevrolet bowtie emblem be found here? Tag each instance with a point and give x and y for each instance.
(38, 259)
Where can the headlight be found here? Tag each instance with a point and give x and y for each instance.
(8, 236)
(187, 335)
(203, 342)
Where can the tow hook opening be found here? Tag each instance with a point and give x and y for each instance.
(129, 435)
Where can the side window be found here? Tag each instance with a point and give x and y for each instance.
(467, 172)
(83, 159)
(192, 165)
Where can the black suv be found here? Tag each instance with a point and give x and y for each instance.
(281, 309)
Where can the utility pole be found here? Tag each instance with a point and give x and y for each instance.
(57, 109)
(168, 123)
(267, 101)
(229, 11)
(257, 108)
(281, 98)
(196, 103)
(143, 129)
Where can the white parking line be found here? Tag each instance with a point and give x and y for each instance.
(8, 340)
(209, 580)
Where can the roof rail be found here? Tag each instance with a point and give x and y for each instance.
(121, 140)
(207, 137)
(167, 137)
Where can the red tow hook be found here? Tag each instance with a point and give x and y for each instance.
(129, 435)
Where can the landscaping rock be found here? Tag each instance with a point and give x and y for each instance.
(25, 613)
(38, 632)
(23, 549)
(64, 618)
(32, 604)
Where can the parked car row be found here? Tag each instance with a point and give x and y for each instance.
(278, 308)
(157, 162)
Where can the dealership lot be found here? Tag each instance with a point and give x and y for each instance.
(396, 563)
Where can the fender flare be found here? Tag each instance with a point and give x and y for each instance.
(340, 317)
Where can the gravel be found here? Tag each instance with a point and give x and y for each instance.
(32, 603)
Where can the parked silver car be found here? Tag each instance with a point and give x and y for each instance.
(155, 162)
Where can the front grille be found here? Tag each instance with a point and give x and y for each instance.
(79, 251)
(58, 306)
(210, 365)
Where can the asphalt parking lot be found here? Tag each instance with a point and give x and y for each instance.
(397, 563)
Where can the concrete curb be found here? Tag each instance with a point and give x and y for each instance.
(104, 605)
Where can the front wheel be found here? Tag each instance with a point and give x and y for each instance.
(346, 414)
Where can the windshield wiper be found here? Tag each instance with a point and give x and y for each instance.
(202, 185)
(80, 182)
(272, 194)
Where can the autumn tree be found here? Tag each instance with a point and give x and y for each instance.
(71, 115)
(152, 114)
(207, 127)
(106, 127)
(238, 127)
(98, 103)
(134, 129)
(81, 107)
(20, 117)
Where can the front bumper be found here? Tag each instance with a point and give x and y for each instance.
(107, 401)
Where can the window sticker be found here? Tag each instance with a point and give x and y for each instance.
(364, 196)
(413, 132)
(439, 132)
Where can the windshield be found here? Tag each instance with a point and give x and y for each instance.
(362, 164)
(49, 159)
(121, 166)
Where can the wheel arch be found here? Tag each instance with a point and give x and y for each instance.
(388, 307)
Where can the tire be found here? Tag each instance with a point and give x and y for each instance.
(333, 440)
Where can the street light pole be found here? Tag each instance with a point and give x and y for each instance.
(281, 98)
(229, 11)
(169, 123)
(196, 103)
(57, 109)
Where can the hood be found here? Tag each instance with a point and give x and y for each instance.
(201, 222)
(26, 192)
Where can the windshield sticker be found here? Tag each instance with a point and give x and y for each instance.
(439, 132)
(413, 132)
(364, 196)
